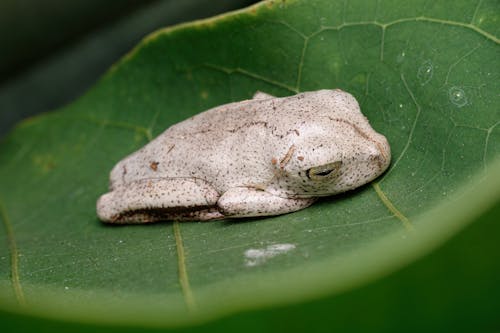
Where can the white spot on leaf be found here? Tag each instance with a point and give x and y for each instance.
(254, 257)
(401, 57)
(425, 72)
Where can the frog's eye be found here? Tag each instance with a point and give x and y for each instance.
(323, 172)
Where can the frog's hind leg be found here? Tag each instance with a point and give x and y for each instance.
(161, 214)
(208, 214)
(159, 199)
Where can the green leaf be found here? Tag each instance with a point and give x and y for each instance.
(426, 75)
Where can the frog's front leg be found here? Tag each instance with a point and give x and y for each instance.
(156, 199)
(248, 202)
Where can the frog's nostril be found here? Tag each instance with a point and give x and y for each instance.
(118, 175)
(382, 153)
(381, 161)
(383, 156)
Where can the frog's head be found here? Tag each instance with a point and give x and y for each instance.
(335, 152)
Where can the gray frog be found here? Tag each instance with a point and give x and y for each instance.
(264, 156)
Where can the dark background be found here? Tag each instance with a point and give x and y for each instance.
(52, 51)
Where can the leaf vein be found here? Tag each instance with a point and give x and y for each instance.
(251, 75)
(382, 44)
(146, 131)
(392, 208)
(181, 264)
(289, 26)
(14, 256)
(447, 22)
(411, 19)
(486, 144)
(412, 130)
(458, 61)
(475, 11)
(301, 64)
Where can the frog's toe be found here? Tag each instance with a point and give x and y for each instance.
(105, 208)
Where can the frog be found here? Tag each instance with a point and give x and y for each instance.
(262, 156)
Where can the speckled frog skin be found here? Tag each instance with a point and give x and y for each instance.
(264, 156)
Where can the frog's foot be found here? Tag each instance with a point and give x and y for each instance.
(248, 202)
(158, 199)
(261, 95)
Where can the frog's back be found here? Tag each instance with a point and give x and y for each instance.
(227, 141)
(278, 113)
(221, 118)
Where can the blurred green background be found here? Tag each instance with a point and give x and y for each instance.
(56, 49)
